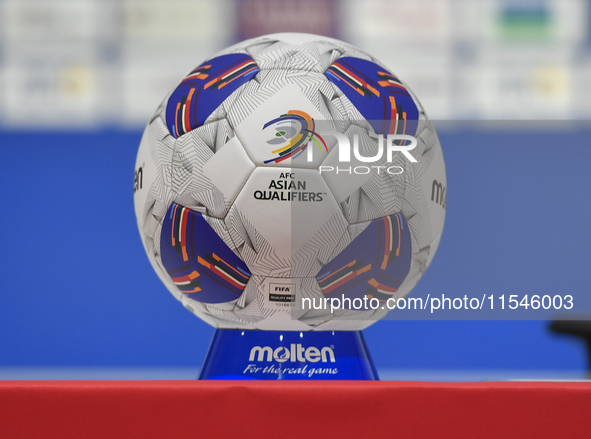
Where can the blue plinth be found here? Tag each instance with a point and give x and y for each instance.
(288, 355)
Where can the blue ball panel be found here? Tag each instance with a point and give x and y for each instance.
(378, 95)
(197, 260)
(374, 265)
(204, 89)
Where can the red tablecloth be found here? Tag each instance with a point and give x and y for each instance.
(220, 409)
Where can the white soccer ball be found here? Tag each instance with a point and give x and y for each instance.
(276, 177)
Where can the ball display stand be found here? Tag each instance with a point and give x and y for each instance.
(288, 355)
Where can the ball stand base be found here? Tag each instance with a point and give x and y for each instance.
(237, 354)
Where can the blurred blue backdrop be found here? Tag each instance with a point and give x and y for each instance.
(78, 291)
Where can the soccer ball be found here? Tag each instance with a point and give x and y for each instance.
(288, 170)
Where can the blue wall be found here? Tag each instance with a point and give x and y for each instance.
(76, 288)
